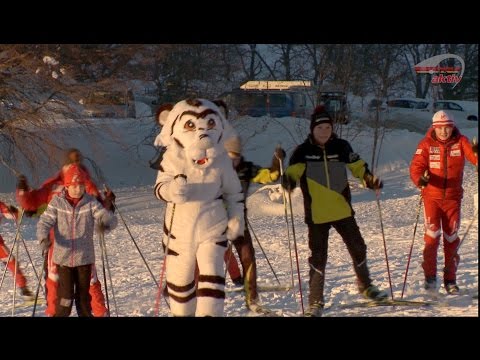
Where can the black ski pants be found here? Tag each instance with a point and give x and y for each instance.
(318, 243)
(73, 284)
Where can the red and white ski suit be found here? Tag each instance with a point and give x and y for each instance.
(445, 161)
(37, 200)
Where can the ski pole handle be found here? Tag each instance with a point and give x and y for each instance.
(426, 176)
(109, 197)
(475, 144)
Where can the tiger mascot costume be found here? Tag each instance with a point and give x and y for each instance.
(204, 197)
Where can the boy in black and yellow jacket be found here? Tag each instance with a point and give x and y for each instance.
(320, 165)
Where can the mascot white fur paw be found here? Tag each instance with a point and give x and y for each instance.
(178, 190)
(235, 228)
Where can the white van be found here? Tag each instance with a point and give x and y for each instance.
(409, 103)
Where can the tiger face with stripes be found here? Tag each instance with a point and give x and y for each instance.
(205, 204)
(197, 127)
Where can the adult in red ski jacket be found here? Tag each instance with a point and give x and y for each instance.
(36, 201)
(437, 168)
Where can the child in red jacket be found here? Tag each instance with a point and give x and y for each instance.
(73, 216)
(35, 201)
(437, 168)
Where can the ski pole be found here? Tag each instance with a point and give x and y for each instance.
(293, 234)
(24, 245)
(45, 260)
(419, 206)
(15, 276)
(263, 251)
(296, 253)
(6, 264)
(29, 258)
(102, 240)
(286, 218)
(100, 233)
(377, 195)
(10, 254)
(475, 142)
(131, 237)
(164, 266)
(465, 234)
(466, 231)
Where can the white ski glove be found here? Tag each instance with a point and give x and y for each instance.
(235, 228)
(178, 190)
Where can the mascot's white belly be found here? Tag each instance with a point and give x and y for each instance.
(204, 216)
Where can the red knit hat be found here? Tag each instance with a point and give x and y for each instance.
(73, 175)
(442, 118)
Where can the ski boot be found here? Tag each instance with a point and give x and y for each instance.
(238, 281)
(314, 310)
(431, 283)
(374, 293)
(255, 306)
(452, 288)
(26, 294)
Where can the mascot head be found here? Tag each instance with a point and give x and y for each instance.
(194, 127)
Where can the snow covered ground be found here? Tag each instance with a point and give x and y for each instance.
(126, 171)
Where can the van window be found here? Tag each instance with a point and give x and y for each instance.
(278, 100)
(257, 100)
(422, 105)
(276, 103)
(333, 105)
(299, 100)
(405, 104)
(452, 106)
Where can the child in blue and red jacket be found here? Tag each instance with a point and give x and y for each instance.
(73, 216)
(34, 201)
